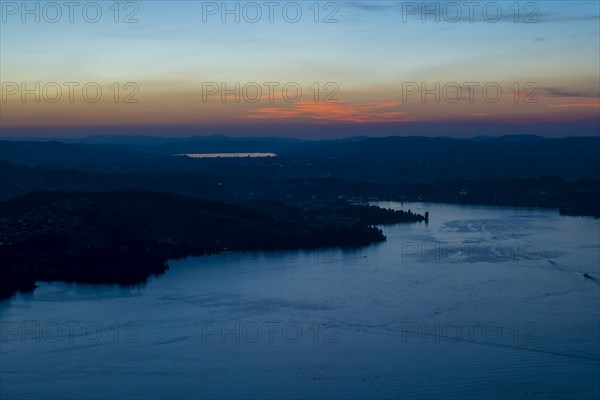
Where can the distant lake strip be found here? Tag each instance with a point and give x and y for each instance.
(227, 155)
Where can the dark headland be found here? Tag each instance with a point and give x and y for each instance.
(126, 236)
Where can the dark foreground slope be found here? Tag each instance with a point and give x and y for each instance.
(126, 236)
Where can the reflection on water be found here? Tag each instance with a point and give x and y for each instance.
(482, 302)
(228, 155)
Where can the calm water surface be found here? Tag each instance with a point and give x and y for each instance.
(229, 155)
(480, 303)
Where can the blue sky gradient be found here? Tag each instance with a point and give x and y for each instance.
(370, 54)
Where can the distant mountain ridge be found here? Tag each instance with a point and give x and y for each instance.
(568, 158)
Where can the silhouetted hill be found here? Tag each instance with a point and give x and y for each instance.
(225, 146)
(512, 138)
(491, 146)
(525, 156)
(513, 156)
(52, 152)
(126, 236)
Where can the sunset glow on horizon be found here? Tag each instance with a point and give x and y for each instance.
(191, 63)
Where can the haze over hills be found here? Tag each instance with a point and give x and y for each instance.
(462, 128)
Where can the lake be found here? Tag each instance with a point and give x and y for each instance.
(480, 303)
(228, 155)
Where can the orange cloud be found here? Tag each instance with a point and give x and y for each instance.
(334, 112)
(575, 105)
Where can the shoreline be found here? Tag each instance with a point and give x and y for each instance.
(125, 237)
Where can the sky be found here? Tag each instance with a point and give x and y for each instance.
(303, 69)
